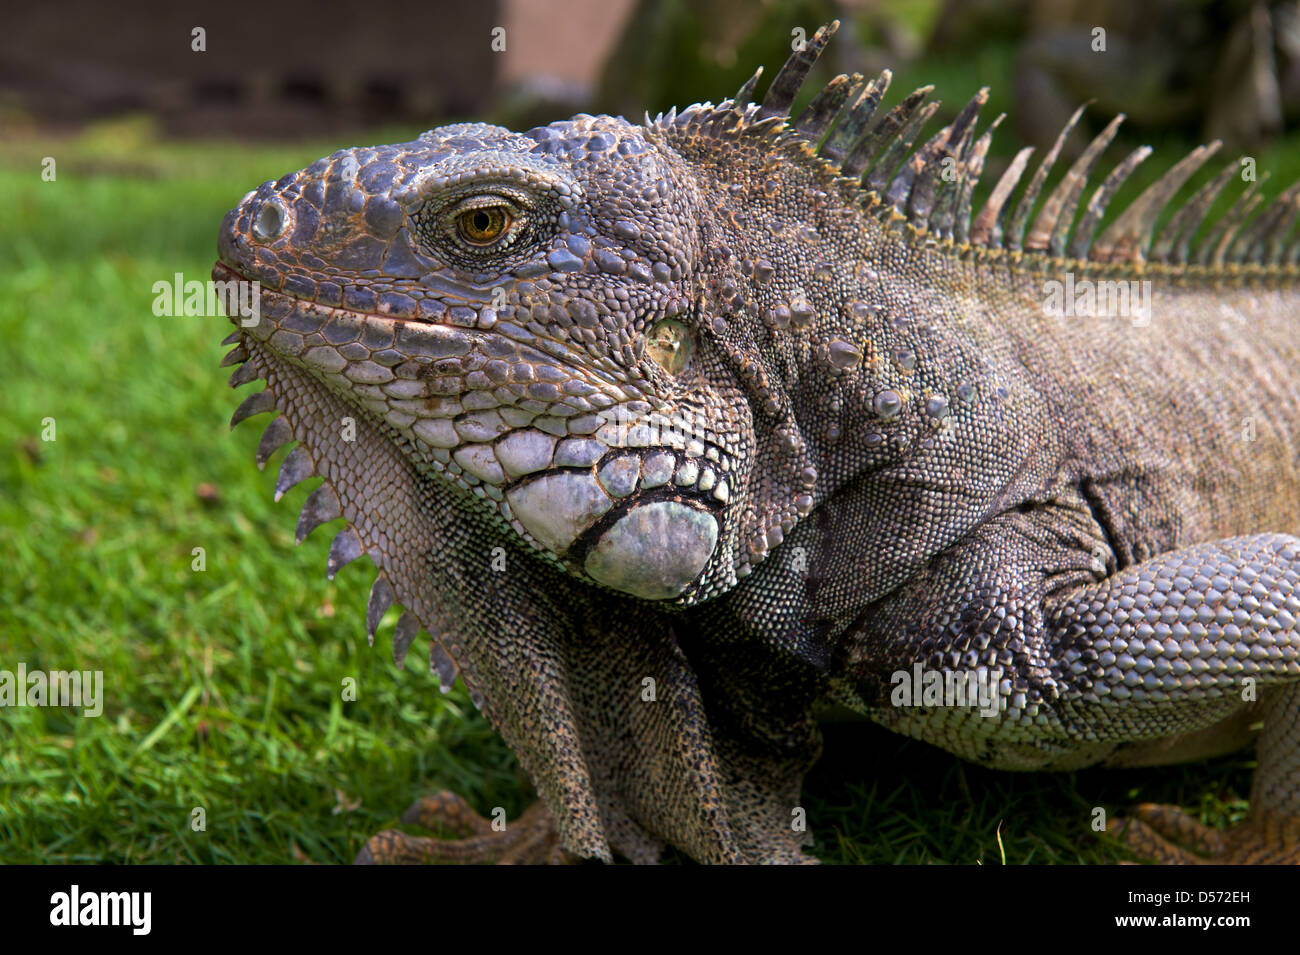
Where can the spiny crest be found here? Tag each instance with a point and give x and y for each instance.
(323, 506)
(933, 186)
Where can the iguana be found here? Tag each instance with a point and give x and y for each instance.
(675, 435)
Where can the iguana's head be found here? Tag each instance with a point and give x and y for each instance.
(648, 351)
(526, 312)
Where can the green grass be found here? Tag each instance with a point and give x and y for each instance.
(222, 686)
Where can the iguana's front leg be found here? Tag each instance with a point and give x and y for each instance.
(1213, 623)
(1154, 663)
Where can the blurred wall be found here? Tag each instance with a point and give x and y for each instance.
(539, 54)
(269, 69)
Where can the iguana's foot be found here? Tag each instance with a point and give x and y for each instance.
(1168, 835)
(529, 840)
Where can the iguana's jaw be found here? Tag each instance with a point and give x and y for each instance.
(595, 482)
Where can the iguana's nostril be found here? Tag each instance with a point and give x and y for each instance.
(269, 223)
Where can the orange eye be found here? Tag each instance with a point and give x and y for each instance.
(484, 225)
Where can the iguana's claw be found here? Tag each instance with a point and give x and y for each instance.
(1168, 835)
(529, 840)
(447, 813)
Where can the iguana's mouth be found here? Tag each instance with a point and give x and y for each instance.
(576, 466)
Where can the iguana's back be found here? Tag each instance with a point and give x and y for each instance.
(1184, 422)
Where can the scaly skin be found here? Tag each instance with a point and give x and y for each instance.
(752, 435)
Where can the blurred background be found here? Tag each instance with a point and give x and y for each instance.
(1206, 68)
(136, 537)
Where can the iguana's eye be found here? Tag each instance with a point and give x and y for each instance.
(484, 225)
(669, 346)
